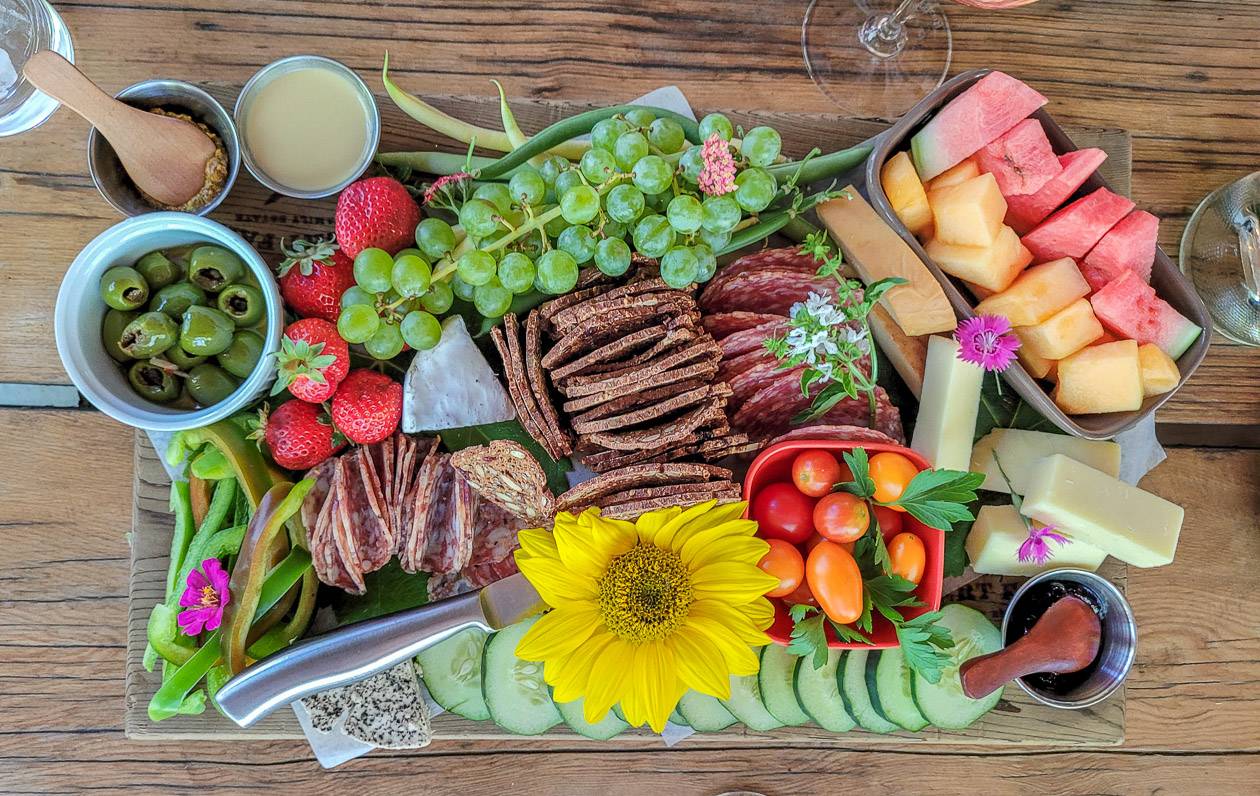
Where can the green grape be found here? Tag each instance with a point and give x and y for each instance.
(372, 269)
(479, 218)
(578, 241)
(629, 148)
(716, 123)
(357, 295)
(405, 252)
(640, 117)
(461, 289)
(497, 194)
(685, 213)
(579, 204)
(387, 343)
(659, 201)
(598, 165)
(761, 145)
(716, 241)
(420, 330)
(679, 267)
(706, 262)
(476, 267)
(667, 135)
(754, 189)
(492, 299)
(624, 203)
(551, 168)
(411, 275)
(527, 186)
(612, 256)
(434, 237)
(439, 298)
(516, 272)
(652, 174)
(357, 323)
(557, 272)
(613, 229)
(605, 133)
(566, 181)
(721, 213)
(653, 235)
(555, 226)
(691, 164)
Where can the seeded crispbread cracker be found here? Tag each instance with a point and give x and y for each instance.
(386, 710)
(506, 474)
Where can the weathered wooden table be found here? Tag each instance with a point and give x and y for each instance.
(1179, 76)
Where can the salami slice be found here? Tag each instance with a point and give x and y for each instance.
(383, 455)
(465, 520)
(444, 545)
(373, 536)
(345, 514)
(722, 324)
(828, 431)
(756, 378)
(330, 568)
(790, 260)
(491, 571)
(315, 499)
(770, 290)
(751, 339)
(415, 517)
(730, 368)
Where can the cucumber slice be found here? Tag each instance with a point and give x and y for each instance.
(818, 691)
(676, 717)
(778, 667)
(895, 693)
(858, 696)
(452, 673)
(515, 693)
(746, 705)
(617, 712)
(608, 727)
(944, 703)
(704, 713)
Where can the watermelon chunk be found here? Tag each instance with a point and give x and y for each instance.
(1073, 231)
(994, 104)
(1129, 307)
(1022, 159)
(1129, 246)
(1023, 212)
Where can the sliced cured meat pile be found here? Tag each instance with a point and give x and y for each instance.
(627, 492)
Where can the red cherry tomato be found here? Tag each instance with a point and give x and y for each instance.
(782, 512)
(802, 596)
(891, 473)
(813, 541)
(889, 521)
(836, 582)
(841, 517)
(785, 563)
(908, 556)
(815, 472)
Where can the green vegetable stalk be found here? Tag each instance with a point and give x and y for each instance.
(252, 471)
(821, 167)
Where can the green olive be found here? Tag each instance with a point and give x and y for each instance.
(124, 288)
(175, 299)
(244, 304)
(181, 359)
(158, 270)
(148, 335)
(243, 354)
(152, 382)
(208, 384)
(214, 268)
(112, 332)
(205, 331)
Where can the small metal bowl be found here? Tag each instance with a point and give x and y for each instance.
(1119, 641)
(172, 95)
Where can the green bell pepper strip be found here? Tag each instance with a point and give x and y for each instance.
(162, 631)
(210, 465)
(823, 166)
(253, 473)
(181, 538)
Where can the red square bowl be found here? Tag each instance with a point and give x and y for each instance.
(774, 464)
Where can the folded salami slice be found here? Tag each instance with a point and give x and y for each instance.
(330, 568)
(449, 523)
(736, 365)
(346, 513)
(414, 538)
(315, 499)
(829, 431)
(724, 324)
(374, 537)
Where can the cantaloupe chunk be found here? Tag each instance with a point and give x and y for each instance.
(969, 213)
(960, 173)
(1037, 366)
(905, 193)
(1100, 378)
(1063, 333)
(1037, 293)
(990, 268)
(1159, 372)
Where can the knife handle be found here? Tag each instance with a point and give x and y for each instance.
(344, 656)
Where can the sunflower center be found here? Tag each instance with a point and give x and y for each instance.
(644, 594)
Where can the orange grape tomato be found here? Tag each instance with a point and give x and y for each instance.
(813, 541)
(841, 517)
(908, 556)
(836, 582)
(815, 472)
(891, 473)
(890, 521)
(782, 512)
(784, 562)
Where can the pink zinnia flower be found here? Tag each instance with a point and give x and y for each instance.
(204, 598)
(717, 175)
(1036, 547)
(441, 182)
(987, 341)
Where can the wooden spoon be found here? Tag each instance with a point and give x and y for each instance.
(1065, 639)
(165, 157)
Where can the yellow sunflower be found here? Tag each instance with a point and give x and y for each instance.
(643, 611)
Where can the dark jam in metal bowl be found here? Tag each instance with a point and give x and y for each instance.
(1035, 602)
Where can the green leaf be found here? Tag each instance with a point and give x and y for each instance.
(1005, 409)
(459, 438)
(956, 549)
(808, 634)
(922, 642)
(389, 590)
(846, 633)
(859, 465)
(938, 498)
(876, 290)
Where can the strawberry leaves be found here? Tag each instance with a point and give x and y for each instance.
(300, 358)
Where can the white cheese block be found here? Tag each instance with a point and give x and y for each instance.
(948, 407)
(1131, 524)
(994, 540)
(1019, 450)
(452, 386)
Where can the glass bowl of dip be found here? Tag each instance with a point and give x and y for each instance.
(308, 126)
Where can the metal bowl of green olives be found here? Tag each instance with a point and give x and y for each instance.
(167, 321)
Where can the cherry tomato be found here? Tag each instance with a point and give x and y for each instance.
(835, 581)
(815, 472)
(782, 512)
(908, 556)
(889, 521)
(785, 563)
(802, 596)
(891, 473)
(813, 541)
(841, 517)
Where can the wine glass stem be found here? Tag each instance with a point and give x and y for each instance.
(1249, 253)
(884, 35)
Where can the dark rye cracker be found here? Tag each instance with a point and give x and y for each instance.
(666, 434)
(704, 370)
(652, 411)
(537, 382)
(638, 475)
(609, 352)
(585, 340)
(666, 490)
(631, 509)
(556, 305)
(666, 301)
(526, 411)
(624, 403)
(704, 349)
(674, 338)
(609, 460)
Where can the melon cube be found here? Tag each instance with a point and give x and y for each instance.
(987, 267)
(1037, 366)
(969, 213)
(1159, 372)
(960, 173)
(1037, 293)
(905, 193)
(1021, 160)
(1099, 379)
(1073, 231)
(1129, 307)
(1023, 212)
(1129, 246)
(1063, 333)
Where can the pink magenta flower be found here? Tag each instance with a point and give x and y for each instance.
(204, 598)
(1036, 547)
(717, 175)
(987, 341)
(441, 182)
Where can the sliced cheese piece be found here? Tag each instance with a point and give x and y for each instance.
(994, 540)
(452, 386)
(907, 354)
(876, 252)
(1019, 450)
(948, 407)
(1129, 523)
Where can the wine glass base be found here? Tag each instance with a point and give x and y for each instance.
(1211, 257)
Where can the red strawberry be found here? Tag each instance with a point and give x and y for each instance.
(367, 406)
(376, 212)
(312, 361)
(299, 435)
(312, 278)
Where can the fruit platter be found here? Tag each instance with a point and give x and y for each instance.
(639, 426)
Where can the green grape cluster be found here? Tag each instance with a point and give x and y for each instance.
(395, 300)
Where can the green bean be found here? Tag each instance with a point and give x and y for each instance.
(823, 166)
(798, 229)
(766, 226)
(437, 163)
(181, 507)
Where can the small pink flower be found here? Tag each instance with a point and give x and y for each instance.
(204, 598)
(717, 175)
(987, 341)
(1036, 548)
(441, 182)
